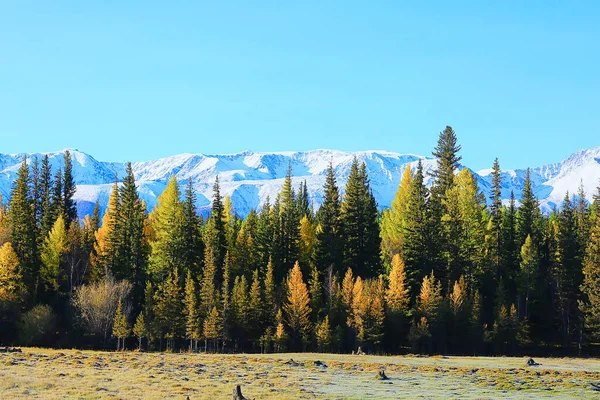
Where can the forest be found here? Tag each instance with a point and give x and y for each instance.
(444, 270)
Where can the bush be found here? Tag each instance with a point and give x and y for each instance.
(37, 326)
(97, 304)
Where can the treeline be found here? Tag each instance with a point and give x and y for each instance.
(444, 270)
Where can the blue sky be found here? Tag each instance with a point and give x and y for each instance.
(139, 80)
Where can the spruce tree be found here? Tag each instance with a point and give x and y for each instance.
(362, 243)
(289, 233)
(567, 270)
(329, 247)
(415, 243)
(132, 249)
(192, 248)
(23, 231)
(46, 218)
(496, 214)
(69, 207)
(217, 216)
(589, 304)
(56, 202)
(446, 153)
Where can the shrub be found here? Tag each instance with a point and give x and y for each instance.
(37, 326)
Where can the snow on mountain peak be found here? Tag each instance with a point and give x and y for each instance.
(252, 177)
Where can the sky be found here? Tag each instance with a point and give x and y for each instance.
(138, 80)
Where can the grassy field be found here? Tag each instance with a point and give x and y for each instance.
(53, 374)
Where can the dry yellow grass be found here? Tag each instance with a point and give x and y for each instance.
(54, 374)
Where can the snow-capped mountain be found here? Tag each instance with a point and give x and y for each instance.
(250, 178)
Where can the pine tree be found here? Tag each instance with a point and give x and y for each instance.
(397, 294)
(329, 247)
(46, 217)
(121, 329)
(218, 219)
(303, 203)
(103, 257)
(168, 241)
(169, 309)
(23, 230)
(394, 219)
(56, 202)
(52, 255)
(567, 271)
(361, 229)
(589, 304)
(446, 153)
(529, 270)
(255, 307)
(212, 328)
(140, 329)
(239, 309)
(509, 254)
(270, 293)
(69, 208)
(12, 289)
(192, 321)
(415, 245)
(226, 301)
(315, 292)
(307, 242)
(464, 224)
(430, 298)
(131, 250)
(193, 246)
(281, 336)
(347, 289)
(323, 334)
(208, 286)
(528, 214)
(289, 234)
(297, 307)
(496, 214)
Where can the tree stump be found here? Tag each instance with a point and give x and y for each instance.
(382, 376)
(237, 393)
(531, 363)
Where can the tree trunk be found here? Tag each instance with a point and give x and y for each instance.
(237, 393)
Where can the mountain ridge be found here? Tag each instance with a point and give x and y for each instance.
(252, 177)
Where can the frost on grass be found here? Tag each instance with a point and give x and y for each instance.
(50, 374)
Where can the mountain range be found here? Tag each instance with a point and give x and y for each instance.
(251, 178)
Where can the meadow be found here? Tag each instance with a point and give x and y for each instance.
(54, 374)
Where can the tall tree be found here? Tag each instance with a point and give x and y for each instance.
(168, 241)
(69, 208)
(329, 248)
(361, 229)
(297, 307)
(496, 214)
(589, 304)
(217, 217)
(446, 153)
(394, 219)
(52, 255)
(23, 230)
(193, 247)
(132, 246)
